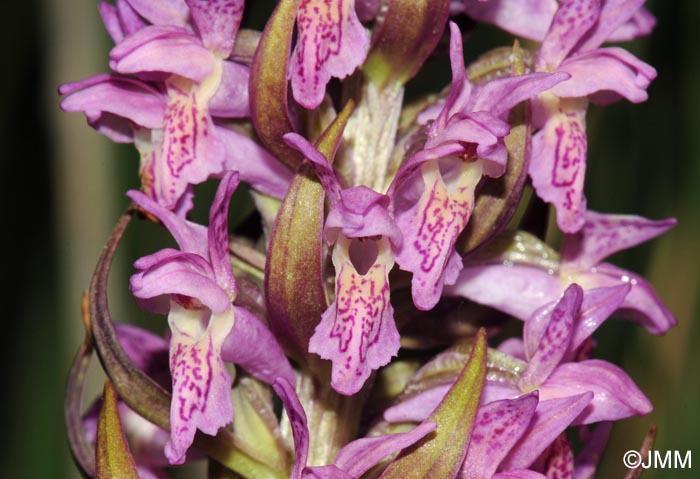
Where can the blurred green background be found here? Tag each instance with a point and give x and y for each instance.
(63, 189)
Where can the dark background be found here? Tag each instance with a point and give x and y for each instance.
(63, 189)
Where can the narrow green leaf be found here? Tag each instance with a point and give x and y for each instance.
(441, 456)
(268, 83)
(404, 38)
(294, 286)
(112, 456)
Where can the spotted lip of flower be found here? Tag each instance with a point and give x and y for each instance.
(600, 75)
(331, 43)
(497, 284)
(357, 332)
(433, 192)
(182, 82)
(353, 460)
(196, 287)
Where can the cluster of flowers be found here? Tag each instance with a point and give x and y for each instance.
(405, 183)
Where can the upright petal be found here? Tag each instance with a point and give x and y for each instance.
(201, 383)
(571, 22)
(162, 12)
(357, 332)
(613, 15)
(558, 164)
(331, 43)
(217, 235)
(603, 235)
(217, 22)
(552, 417)
(432, 225)
(555, 341)
(498, 427)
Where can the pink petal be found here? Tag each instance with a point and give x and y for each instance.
(297, 420)
(217, 235)
(606, 74)
(190, 152)
(231, 98)
(163, 49)
(361, 455)
(357, 332)
(560, 460)
(558, 164)
(497, 428)
(201, 384)
(252, 346)
(162, 12)
(603, 235)
(432, 225)
(594, 443)
(555, 341)
(640, 25)
(571, 22)
(525, 18)
(615, 394)
(614, 15)
(331, 43)
(641, 304)
(262, 171)
(217, 22)
(514, 289)
(551, 418)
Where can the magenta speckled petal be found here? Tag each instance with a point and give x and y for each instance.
(570, 23)
(357, 332)
(551, 418)
(217, 22)
(615, 394)
(497, 428)
(361, 455)
(201, 383)
(190, 152)
(217, 234)
(331, 43)
(555, 340)
(432, 225)
(559, 459)
(604, 234)
(618, 17)
(252, 346)
(606, 74)
(558, 165)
